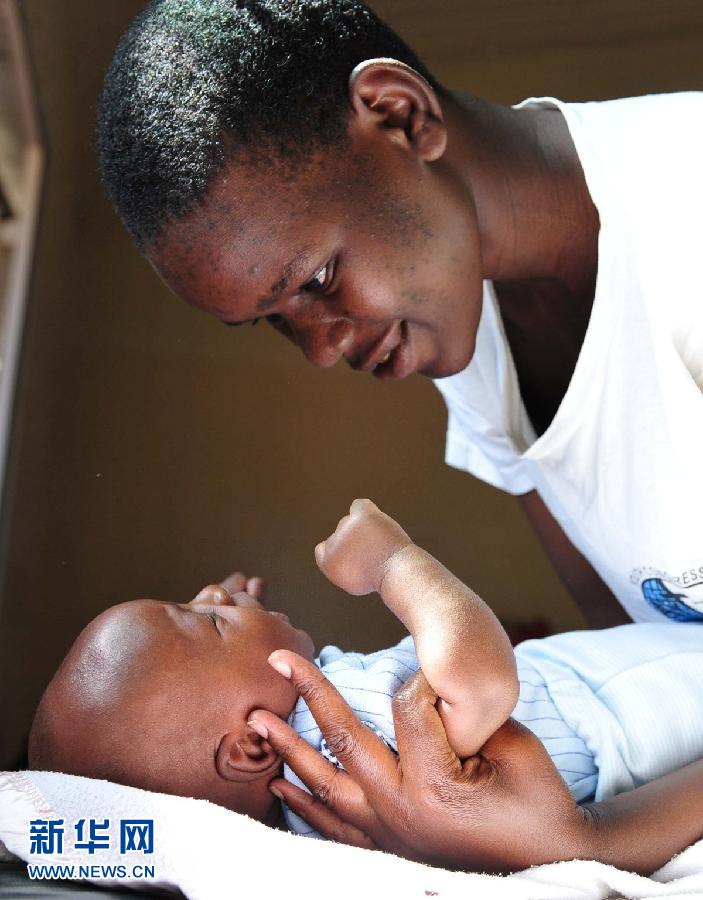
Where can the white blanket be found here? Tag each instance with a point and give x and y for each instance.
(209, 852)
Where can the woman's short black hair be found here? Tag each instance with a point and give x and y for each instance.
(195, 82)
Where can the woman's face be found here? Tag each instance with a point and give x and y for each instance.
(367, 253)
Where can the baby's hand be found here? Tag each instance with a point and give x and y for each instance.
(355, 556)
(221, 594)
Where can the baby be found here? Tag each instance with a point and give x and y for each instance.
(158, 695)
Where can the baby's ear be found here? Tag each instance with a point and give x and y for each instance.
(244, 755)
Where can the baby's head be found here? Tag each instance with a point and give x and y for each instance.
(157, 695)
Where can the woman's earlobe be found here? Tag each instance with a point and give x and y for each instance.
(243, 755)
(429, 137)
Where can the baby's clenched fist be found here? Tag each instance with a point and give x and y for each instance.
(355, 557)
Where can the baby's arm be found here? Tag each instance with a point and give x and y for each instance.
(462, 648)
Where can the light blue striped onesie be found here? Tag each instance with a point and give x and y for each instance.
(614, 708)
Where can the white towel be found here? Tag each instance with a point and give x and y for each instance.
(211, 853)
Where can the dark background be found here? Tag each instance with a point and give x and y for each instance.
(154, 450)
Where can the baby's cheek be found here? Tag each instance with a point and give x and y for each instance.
(283, 699)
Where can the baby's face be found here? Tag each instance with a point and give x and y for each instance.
(218, 645)
(193, 668)
(158, 695)
(239, 617)
(194, 676)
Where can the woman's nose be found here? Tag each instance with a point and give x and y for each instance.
(324, 343)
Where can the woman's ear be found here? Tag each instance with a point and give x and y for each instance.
(388, 94)
(243, 755)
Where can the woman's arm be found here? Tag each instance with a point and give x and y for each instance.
(504, 809)
(462, 648)
(642, 829)
(595, 599)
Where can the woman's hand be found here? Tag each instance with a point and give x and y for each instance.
(505, 808)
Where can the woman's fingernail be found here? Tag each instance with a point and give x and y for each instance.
(276, 792)
(280, 666)
(260, 729)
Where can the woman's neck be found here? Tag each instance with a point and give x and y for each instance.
(535, 215)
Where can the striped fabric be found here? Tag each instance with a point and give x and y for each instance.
(570, 755)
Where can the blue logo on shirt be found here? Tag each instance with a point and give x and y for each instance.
(669, 603)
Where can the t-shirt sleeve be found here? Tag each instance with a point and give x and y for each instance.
(488, 456)
(488, 428)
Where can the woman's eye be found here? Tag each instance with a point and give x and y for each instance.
(319, 280)
(251, 322)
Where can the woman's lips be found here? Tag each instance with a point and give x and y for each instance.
(379, 352)
(400, 361)
(391, 357)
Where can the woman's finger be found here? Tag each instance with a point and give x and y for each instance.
(319, 816)
(330, 785)
(422, 741)
(362, 754)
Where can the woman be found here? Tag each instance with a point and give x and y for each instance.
(296, 162)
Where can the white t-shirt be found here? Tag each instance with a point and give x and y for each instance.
(621, 465)
(631, 693)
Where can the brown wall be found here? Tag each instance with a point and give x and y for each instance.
(154, 450)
